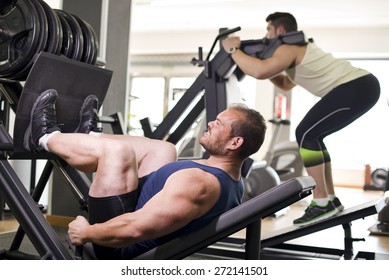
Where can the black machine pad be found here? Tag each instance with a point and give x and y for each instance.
(73, 80)
(265, 48)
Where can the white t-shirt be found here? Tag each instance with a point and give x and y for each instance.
(320, 72)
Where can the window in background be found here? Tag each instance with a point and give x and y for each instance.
(177, 87)
(248, 91)
(187, 146)
(147, 97)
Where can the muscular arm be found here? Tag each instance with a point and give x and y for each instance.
(271, 68)
(281, 60)
(188, 194)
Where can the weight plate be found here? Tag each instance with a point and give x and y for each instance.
(42, 26)
(95, 49)
(88, 44)
(6, 6)
(92, 44)
(67, 37)
(54, 36)
(77, 34)
(18, 38)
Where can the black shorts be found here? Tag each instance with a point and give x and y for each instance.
(102, 209)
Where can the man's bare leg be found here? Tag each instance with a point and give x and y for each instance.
(329, 179)
(113, 161)
(317, 172)
(114, 158)
(151, 154)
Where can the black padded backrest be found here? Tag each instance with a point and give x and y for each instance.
(73, 80)
(234, 220)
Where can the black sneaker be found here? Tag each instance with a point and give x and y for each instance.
(89, 115)
(42, 120)
(338, 204)
(315, 213)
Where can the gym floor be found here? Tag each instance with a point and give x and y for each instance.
(329, 238)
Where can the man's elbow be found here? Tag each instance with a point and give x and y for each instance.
(260, 75)
(284, 87)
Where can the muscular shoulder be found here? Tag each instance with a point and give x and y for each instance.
(195, 176)
(195, 180)
(294, 53)
(291, 48)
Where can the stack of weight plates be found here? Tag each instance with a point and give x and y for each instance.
(28, 27)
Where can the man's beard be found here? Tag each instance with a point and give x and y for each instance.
(213, 148)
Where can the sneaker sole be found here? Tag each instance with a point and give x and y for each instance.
(340, 208)
(321, 218)
(28, 133)
(81, 110)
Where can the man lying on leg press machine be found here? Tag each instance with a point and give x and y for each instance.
(141, 196)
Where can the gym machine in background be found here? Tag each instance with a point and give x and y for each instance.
(380, 182)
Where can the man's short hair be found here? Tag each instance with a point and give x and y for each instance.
(287, 20)
(251, 127)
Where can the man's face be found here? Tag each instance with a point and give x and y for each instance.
(219, 132)
(272, 31)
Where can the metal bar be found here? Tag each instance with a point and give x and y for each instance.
(29, 216)
(78, 182)
(36, 195)
(187, 122)
(171, 118)
(253, 232)
(116, 121)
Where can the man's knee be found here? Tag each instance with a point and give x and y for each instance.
(170, 150)
(162, 150)
(120, 150)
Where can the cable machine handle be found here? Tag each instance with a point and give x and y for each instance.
(221, 35)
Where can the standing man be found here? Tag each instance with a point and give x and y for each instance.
(346, 93)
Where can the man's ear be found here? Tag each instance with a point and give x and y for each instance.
(236, 142)
(280, 30)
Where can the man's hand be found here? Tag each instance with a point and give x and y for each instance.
(231, 42)
(77, 229)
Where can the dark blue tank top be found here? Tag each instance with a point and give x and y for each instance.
(231, 192)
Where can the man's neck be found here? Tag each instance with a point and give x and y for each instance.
(231, 166)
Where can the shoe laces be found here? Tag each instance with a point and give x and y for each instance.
(48, 113)
(310, 206)
(93, 119)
